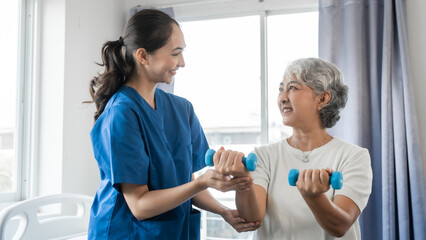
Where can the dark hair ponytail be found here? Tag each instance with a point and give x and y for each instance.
(149, 29)
(117, 71)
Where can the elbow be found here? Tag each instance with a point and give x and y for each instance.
(251, 216)
(254, 219)
(338, 231)
(140, 217)
(141, 213)
(337, 234)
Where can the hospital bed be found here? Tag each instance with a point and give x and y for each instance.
(60, 216)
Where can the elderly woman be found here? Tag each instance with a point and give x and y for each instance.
(310, 98)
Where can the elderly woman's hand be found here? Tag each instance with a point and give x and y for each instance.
(230, 163)
(313, 182)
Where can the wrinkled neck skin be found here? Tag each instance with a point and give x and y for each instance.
(309, 138)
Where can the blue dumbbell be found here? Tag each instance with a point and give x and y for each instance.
(250, 162)
(336, 179)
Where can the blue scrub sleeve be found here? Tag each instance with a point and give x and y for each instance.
(128, 158)
(198, 141)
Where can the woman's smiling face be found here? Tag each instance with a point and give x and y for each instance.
(164, 62)
(298, 103)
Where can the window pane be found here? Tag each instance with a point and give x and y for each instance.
(9, 25)
(222, 80)
(290, 37)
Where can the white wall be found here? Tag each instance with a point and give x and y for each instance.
(52, 56)
(417, 39)
(88, 25)
(72, 33)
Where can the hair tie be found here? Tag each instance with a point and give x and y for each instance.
(120, 40)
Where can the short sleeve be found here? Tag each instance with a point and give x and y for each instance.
(261, 176)
(357, 178)
(198, 141)
(128, 158)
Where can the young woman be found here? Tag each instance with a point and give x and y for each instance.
(309, 100)
(148, 143)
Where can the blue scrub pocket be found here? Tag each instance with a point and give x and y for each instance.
(194, 224)
(156, 229)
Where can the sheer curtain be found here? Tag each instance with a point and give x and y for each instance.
(367, 40)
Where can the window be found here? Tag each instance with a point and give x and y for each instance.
(222, 79)
(290, 36)
(9, 22)
(13, 97)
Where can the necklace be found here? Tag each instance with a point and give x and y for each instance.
(305, 157)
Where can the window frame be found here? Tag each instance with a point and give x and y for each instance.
(25, 103)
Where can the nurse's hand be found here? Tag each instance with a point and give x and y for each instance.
(239, 223)
(230, 163)
(223, 183)
(313, 182)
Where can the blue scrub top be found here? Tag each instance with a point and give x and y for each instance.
(134, 143)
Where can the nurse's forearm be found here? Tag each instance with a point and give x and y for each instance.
(206, 201)
(146, 204)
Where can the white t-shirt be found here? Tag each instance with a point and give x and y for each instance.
(287, 214)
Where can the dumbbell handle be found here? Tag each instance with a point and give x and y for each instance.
(250, 162)
(336, 178)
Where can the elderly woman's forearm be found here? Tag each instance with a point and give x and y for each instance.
(249, 205)
(334, 219)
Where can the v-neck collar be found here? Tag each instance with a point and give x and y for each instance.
(154, 114)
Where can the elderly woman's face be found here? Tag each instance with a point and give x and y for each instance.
(298, 103)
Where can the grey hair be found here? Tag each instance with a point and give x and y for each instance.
(321, 76)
